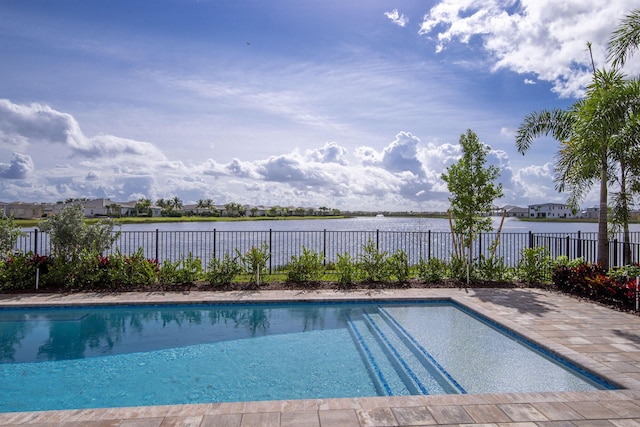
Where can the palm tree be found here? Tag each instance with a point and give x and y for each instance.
(625, 39)
(162, 203)
(176, 203)
(593, 146)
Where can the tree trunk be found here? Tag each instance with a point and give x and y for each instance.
(626, 234)
(603, 238)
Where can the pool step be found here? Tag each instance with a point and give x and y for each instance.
(437, 371)
(397, 363)
(383, 374)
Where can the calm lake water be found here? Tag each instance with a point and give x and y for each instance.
(511, 225)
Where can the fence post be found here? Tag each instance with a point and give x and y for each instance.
(615, 253)
(270, 254)
(579, 246)
(377, 240)
(567, 245)
(530, 240)
(214, 243)
(479, 244)
(428, 244)
(324, 247)
(35, 241)
(157, 245)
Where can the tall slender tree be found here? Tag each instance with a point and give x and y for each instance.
(473, 191)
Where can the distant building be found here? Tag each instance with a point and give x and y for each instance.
(550, 210)
(516, 211)
(99, 207)
(590, 213)
(23, 210)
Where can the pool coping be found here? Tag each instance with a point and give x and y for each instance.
(602, 341)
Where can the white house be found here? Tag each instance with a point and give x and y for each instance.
(515, 211)
(550, 210)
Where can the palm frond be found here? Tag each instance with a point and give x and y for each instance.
(624, 39)
(556, 122)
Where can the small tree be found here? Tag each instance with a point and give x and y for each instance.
(70, 234)
(9, 234)
(473, 191)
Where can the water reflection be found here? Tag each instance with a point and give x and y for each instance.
(62, 334)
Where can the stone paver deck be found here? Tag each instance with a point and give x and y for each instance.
(604, 341)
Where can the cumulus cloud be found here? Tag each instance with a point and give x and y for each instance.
(546, 38)
(41, 124)
(19, 168)
(401, 154)
(536, 183)
(397, 18)
(330, 153)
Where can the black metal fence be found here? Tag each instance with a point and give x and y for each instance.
(282, 245)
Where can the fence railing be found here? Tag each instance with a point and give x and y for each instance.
(282, 245)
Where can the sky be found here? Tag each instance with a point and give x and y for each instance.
(350, 105)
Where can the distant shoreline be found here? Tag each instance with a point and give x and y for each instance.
(25, 223)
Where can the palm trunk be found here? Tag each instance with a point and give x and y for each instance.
(626, 234)
(603, 238)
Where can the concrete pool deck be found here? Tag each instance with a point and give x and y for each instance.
(602, 340)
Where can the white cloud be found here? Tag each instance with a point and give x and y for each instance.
(41, 124)
(529, 82)
(403, 175)
(397, 18)
(546, 38)
(19, 168)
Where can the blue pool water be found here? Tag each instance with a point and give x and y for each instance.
(86, 357)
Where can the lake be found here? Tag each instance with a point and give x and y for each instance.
(511, 225)
(418, 237)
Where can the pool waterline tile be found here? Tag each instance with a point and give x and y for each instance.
(520, 310)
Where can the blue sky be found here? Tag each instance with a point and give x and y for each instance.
(344, 104)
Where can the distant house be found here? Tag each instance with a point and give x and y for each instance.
(97, 207)
(23, 210)
(129, 209)
(550, 210)
(516, 211)
(590, 213)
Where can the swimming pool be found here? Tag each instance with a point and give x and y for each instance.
(83, 357)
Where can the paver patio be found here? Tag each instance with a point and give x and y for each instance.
(602, 340)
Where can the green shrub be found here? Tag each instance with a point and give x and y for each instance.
(457, 270)
(82, 273)
(307, 267)
(431, 270)
(564, 260)
(397, 265)
(142, 272)
(534, 265)
(184, 270)
(373, 264)
(70, 234)
(223, 271)
(17, 272)
(255, 261)
(347, 270)
(492, 268)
